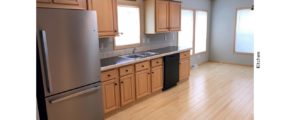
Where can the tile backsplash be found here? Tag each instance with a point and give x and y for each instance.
(152, 41)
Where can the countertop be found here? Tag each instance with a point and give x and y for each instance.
(113, 62)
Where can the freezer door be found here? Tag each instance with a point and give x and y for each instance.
(85, 104)
(69, 49)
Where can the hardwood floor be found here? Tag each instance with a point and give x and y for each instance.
(214, 91)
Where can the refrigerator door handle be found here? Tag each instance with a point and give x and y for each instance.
(74, 95)
(44, 50)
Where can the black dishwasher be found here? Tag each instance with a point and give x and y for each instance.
(171, 71)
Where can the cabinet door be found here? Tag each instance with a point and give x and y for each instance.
(143, 83)
(127, 84)
(43, 1)
(70, 2)
(106, 16)
(157, 78)
(184, 69)
(63, 4)
(111, 95)
(162, 16)
(175, 16)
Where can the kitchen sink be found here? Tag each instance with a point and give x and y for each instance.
(148, 53)
(134, 56)
(139, 55)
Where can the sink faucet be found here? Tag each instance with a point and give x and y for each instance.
(134, 50)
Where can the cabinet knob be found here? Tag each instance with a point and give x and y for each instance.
(116, 83)
(127, 70)
(142, 65)
(121, 82)
(109, 75)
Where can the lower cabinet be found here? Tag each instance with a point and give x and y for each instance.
(184, 66)
(122, 86)
(111, 95)
(127, 85)
(143, 83)
(156, 78)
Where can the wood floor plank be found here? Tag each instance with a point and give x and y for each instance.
(214, 91)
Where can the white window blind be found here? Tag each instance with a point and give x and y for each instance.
(185, 36)
(128, 26)
(200, 31)
(244, 41)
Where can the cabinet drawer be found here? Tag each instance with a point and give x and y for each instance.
(185, 55)
(142, 66)
(108, 75)
(156, 62)
(126, 70)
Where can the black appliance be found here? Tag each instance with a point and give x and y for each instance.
(171, 71)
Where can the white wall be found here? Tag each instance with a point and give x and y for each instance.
(200, 5)
(223, 31)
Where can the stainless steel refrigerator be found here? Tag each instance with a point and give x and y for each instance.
(68, 79)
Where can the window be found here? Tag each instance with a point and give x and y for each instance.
(200, 31)
(244, 41)
(128, 26)
(185, 36)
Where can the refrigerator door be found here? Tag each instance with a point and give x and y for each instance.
(80, 104)
(68, 42)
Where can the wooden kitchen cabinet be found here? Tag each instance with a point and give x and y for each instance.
(175, 16)
(124, 85)
(143, 83)
(44, 1)
(127, 85)
(184, 66)
(156, 78)
(106, 16)
(64, 4)
(162, 16)
(111, 95)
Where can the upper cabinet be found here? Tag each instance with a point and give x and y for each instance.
(162, 16)
(175, 16)
(66, 4)
(106, 16)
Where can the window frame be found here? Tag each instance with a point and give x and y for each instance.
(235, 31)
(133, 4)
(193, 34)
(207, 25)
